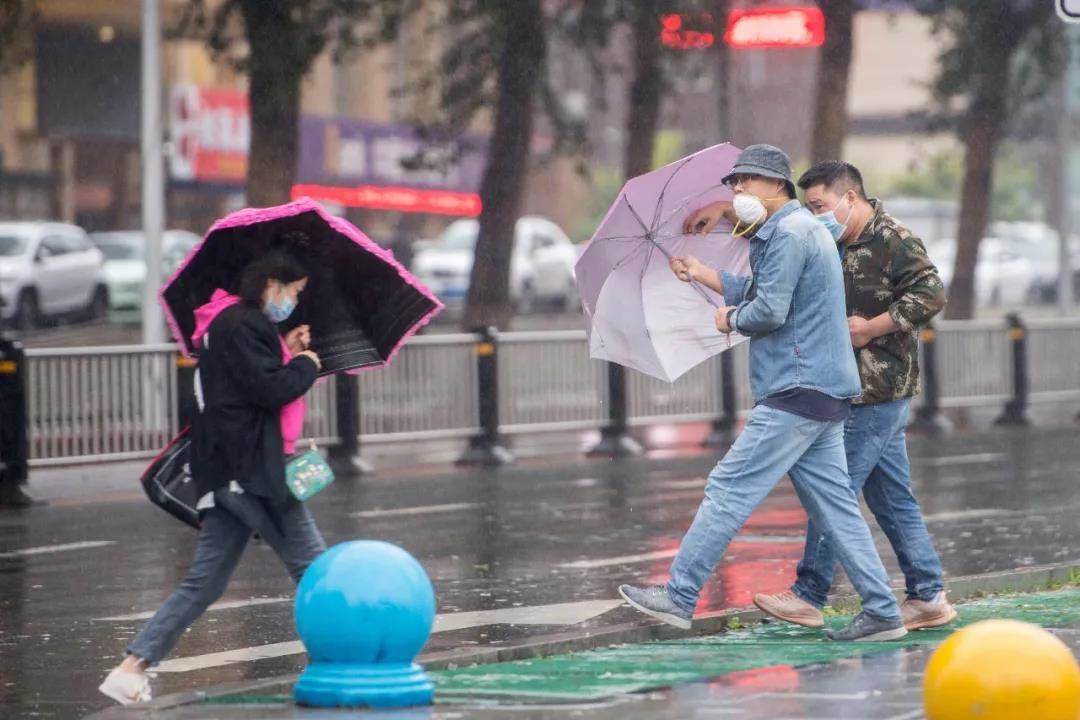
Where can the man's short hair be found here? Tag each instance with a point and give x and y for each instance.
(836, 175)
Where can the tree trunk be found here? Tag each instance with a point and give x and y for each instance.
(506, 173)
(830, 105)
(276, 69)
(646, 91)
(984, 122)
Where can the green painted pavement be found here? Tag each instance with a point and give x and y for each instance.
(634, 668)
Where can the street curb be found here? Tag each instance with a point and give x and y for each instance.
(960, 588)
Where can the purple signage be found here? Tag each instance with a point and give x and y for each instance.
(339, 151)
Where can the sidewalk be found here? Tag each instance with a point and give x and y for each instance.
(525, 559)
(730, 665)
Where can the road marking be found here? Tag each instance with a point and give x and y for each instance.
(230, 657)
(419, 510)
(557, 614)
(48, 549)
(227, 605)
(968, 514)
(672, 552)
(698, 483)
(619, 560)
(965, 459)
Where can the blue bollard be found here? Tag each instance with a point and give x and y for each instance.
(363, 611)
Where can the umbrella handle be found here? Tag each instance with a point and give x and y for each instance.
(693, 283)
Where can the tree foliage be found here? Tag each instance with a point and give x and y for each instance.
(998, 56)
(1015, 194)
(16, 24)
(276, 42)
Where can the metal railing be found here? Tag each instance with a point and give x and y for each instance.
(114, 403)
(428, 392)
(1053, 352)
(104, 403)
(548, 382)
(974, 362)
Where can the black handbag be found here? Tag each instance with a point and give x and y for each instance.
(168, 482)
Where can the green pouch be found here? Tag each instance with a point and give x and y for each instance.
(307, 474)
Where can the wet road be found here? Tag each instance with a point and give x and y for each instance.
(81, 574)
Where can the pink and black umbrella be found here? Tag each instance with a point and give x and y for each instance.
(361, 304)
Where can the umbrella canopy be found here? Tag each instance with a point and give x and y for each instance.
(639, 314)
(361, 304)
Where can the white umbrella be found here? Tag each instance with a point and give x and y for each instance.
(639, 314)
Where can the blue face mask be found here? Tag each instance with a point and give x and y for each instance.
(834, 226)
(280, 312)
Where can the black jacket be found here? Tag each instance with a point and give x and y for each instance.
(245, 384)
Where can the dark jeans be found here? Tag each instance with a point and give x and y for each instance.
(878, 464)
(225, 531)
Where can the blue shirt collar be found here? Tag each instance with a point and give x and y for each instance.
(769, 228)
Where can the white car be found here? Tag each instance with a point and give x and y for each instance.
(1003, 276)
(125, 263)
(541, 266)
(49, 269)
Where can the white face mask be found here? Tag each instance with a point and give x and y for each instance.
(749, 208)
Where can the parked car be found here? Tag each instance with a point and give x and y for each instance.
(49, 269)
(1038, 242)
(125, 263)
(1003, 276)
(541, 266)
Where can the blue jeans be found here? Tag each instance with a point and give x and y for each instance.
(879, 468)
(225, 531)
(811, 452)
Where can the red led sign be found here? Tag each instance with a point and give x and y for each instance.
(402, 199)
(775, 27)
(678, 33)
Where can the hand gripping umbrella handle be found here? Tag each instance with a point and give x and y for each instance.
(693, 283)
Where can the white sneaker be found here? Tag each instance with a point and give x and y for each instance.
(126, 687)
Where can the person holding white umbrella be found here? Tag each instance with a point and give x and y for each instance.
(803, 377)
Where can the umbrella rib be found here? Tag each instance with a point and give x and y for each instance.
(693, 283)
(689, 199)
(663, 191)
(644, 227)
(619, 238)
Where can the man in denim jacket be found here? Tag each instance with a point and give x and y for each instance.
(803, 377)
(893, 290)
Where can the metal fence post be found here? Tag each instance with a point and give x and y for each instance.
(724, 426)
(928, 418)
(486, 448)
(14, 442)
(615, 438)
(344, 458)
(1015, 412)
(187, 407)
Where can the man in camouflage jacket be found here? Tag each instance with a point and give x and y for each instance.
(892, 291)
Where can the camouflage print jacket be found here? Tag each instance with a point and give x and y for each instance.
(886, 269)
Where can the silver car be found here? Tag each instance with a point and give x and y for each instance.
(541, 265)
(125, 263)
(49, 269)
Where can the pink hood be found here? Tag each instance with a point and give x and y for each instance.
(292, 415)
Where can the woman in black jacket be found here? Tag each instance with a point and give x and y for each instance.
(250, 384)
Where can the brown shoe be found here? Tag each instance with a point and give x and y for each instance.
(789, 607)
(920, 614)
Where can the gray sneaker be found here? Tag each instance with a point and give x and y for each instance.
(867, 628)
(655, 601)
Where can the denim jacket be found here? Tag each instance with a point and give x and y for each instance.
(792, 308)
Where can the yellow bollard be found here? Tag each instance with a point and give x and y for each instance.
(1002, 670)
